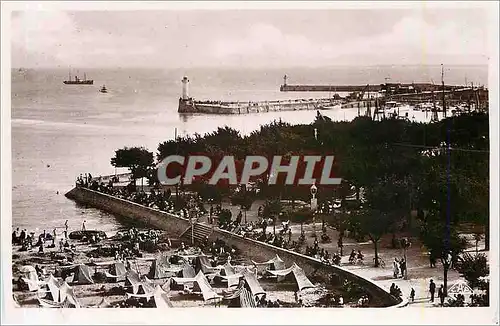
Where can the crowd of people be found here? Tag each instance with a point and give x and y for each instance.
(44, 240)
(356, 257)
(194, 206)
(322, 254)
(395, 290)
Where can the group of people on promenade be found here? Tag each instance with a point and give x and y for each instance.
(441, 295)
(84, 180)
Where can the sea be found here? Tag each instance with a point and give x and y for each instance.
(59, 131)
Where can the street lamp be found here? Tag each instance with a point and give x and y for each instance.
(314, 204)
(211, 201)
(191, 213)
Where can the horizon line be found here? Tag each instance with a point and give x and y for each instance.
(258, 67)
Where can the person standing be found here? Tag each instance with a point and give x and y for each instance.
(402, 267)
(22, 236)
(432, 289)
(15, 236)
(412, 295)
(395, 268)
(441, 295)
(83, 226)
(61, 245)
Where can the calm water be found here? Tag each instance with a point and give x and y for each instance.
(60, 131)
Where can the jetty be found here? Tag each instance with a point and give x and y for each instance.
(188, 105)
(359, 96)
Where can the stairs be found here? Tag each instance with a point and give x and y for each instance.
(201, 232)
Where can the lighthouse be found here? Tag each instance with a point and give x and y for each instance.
(185, 88)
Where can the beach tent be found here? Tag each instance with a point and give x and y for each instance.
(247, 300)
(67, 296)
(132, 280)
(253, 283)
(242, 268)
(188, 271)
(202, 263)
(228, 273)
(147, 286)
(241, 297)
(117, 272)
(187, 275)
(273, 264)
(161, 268)
(82, 275)
(30, 278)
(300, 277)
(201, 285)
(53, 284)
(161, 298)
(143, 288)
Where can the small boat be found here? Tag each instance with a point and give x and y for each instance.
(103, 89)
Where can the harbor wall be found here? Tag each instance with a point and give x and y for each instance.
(173, 225)
(191, 106)
(257, 251)
(329, 88)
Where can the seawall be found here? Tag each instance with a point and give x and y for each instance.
(255, 250)
(330, 88)
(208, 107)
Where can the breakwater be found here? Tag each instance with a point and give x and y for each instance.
(218, 107)
(330, 88)
(175, 226)
(387, 87)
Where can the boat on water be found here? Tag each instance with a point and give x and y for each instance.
(103, 89)
(78, 81)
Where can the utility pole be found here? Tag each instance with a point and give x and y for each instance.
(442, 84)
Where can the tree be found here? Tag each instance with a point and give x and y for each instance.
(443, 241)
(341, 223)
(225, 217)
(477, 237)
(246, 205)
(373, 223)
(300, 216)
(138, 159)
(473, 268)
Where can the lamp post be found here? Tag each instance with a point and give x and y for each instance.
(314, 204)
(192, 212)
(211, 201)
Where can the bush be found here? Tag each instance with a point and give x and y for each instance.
(472, 268)
(300, 216)
(225, 216)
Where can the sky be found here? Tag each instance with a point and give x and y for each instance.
(248, 38)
